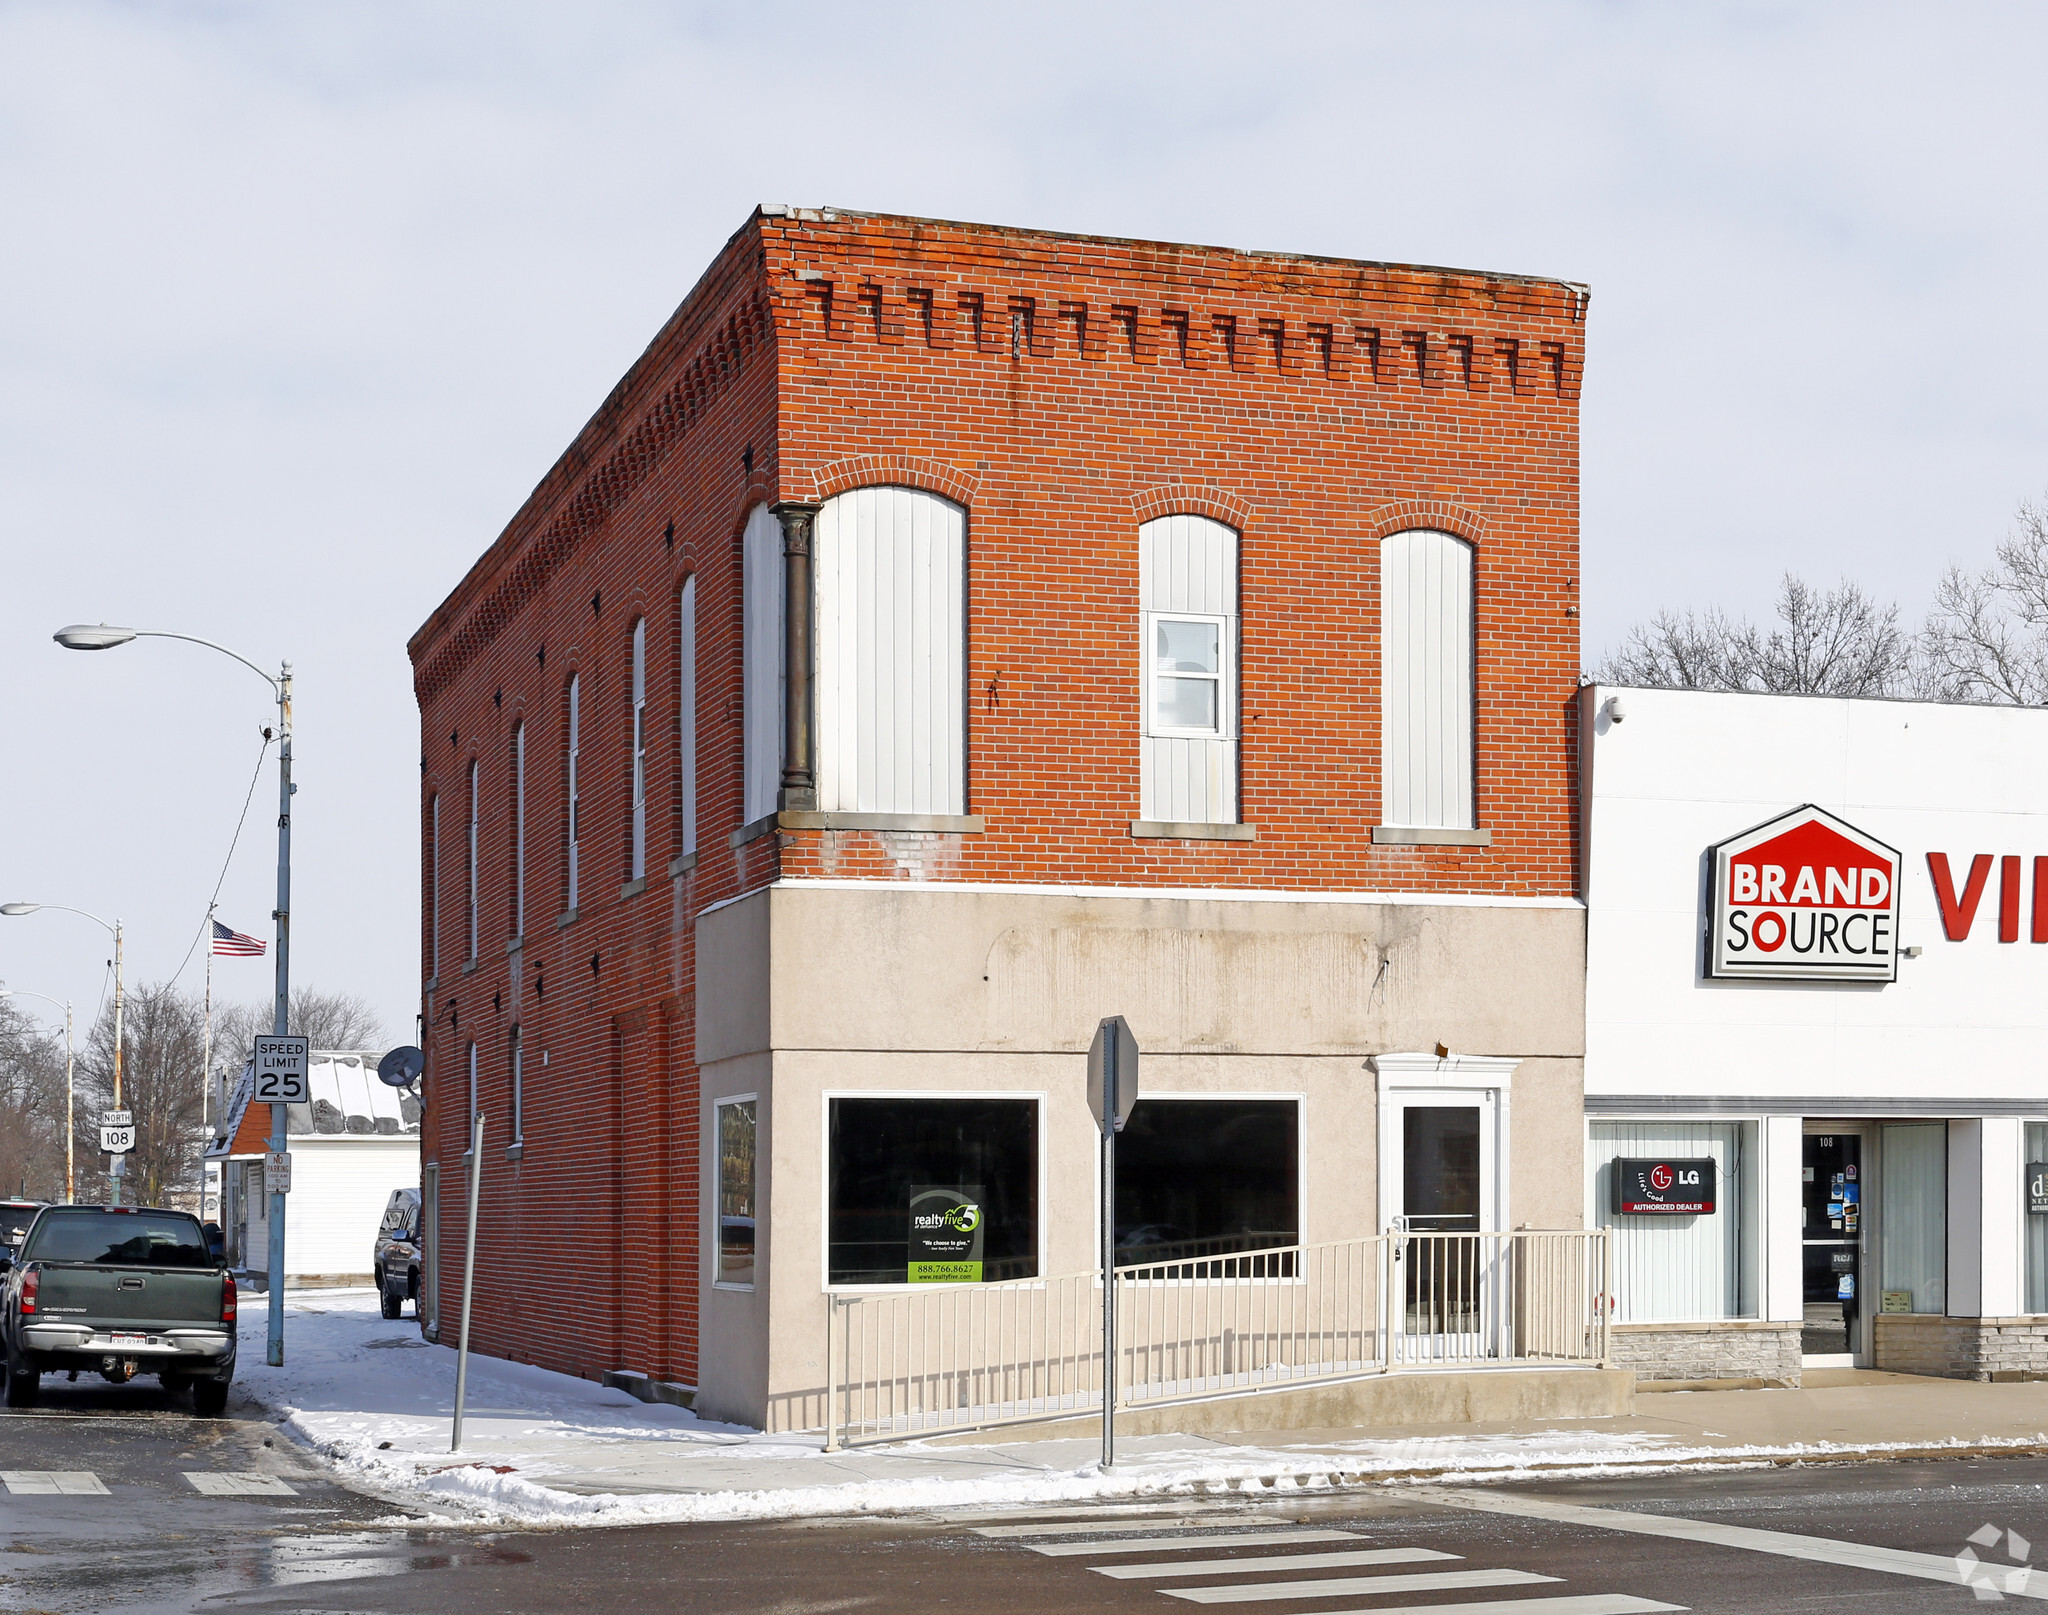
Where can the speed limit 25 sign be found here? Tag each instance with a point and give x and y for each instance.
(281, 1071)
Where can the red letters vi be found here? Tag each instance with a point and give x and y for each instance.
(1957, 913)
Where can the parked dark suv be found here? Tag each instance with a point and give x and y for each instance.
(396, 1260)
(15, 1216)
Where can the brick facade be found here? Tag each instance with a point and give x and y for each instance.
(1063, 390)
(1678, 1352)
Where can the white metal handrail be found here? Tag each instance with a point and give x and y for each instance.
(907, 1363)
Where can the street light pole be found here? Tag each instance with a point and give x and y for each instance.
(100, 636)
(114, 925)
(70, 1182)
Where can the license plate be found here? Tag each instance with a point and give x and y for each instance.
(130, 1340)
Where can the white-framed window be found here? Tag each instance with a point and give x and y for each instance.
(889, 1157)
(638, 743)
(1426, 678)
(763, 672)
(1188, 655)
(892, 652)
(469, 1121)
(737, 1198)
(686, 717)
(572, 827)
(470, 881)
(519, 829)
(1188, 679)
(516, 1061)
(1209, 1175)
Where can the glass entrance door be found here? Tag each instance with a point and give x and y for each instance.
(1831, 1194)
(1444, 1173)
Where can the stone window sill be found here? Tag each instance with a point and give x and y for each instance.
(1168, 830)
(515, 944)
(967, 824)
(1406, 835)
(515, 1152)
(633, 888)
(566, 919)
(469, 967)
(678, 867)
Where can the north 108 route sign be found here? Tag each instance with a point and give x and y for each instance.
(1804, 897)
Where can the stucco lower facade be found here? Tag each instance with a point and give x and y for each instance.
(1323, 1016)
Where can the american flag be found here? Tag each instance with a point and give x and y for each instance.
(235, 945)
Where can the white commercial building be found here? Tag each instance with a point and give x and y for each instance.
(350, 1147)
(1816, 1031)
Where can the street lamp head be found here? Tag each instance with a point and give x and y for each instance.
(92, 636)
(19, 908)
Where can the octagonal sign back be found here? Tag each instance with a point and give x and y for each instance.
(1804, 897)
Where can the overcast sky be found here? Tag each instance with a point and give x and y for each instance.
(297, 302)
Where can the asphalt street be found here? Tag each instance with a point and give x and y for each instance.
(102, 1512)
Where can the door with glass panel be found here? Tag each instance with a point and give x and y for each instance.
(1441, 1176)
(1833, 1332)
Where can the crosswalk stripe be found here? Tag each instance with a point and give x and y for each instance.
(1097, 1527)
(53, 1482)
(1279, 1561)
(1182, 1544)
(1563, 1604)
(238, 1483)
(1344, 1586)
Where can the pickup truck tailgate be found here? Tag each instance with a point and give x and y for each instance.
(134, 1297)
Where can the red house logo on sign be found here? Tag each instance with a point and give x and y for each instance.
(1804, 897)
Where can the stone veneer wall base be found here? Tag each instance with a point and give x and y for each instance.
(1764, 1354)
(1999, 1349)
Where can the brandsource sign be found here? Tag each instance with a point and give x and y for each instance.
(1804, 897)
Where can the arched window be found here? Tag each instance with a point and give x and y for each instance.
(572, 797)
(761, 568)
(891, 646)
(686, 718)
(1426, 710)
(519, 829)
(470, 854)
(1187, 589)
(637, 741)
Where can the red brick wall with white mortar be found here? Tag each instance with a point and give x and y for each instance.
(1064, 390)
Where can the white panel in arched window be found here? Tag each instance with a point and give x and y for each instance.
(1187, 592)
(1426, 680)
(637, 760)
(761, 557)
(686, 716)
(891, 630)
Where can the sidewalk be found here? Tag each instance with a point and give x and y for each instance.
(542, 1448)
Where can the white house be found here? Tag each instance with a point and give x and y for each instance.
(351, 1146)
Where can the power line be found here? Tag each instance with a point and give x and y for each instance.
(255, 774)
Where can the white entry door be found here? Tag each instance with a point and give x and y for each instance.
(1439, 1189)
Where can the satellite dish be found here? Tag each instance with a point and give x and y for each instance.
(401, 1068)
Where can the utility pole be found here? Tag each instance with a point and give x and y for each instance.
(281, 1020)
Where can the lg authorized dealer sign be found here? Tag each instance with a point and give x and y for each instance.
(1804, 897)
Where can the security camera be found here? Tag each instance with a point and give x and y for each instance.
(1615, 710)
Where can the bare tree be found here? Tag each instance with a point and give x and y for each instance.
(329, 1020)
(160, 1084)
(1987, 637)
(1828, 642)
(31, 1107)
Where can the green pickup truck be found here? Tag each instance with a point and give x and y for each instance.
(118, 1291)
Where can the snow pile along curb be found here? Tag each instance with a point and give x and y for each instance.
(374, 1399)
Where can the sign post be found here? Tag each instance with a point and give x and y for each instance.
(283, 1076)
(1112, 1091)
(476, 1178)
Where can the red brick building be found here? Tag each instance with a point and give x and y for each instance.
(945, 635)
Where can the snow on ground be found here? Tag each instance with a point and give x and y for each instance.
(546, 1449)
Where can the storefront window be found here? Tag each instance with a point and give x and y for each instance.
(1680, 1267)
(967, 1167)
(1205, 1177)
(1912, 1222)
(736, 1192)
(2034, 1193)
